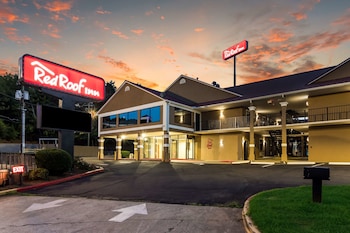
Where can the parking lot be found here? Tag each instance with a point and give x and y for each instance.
(187, 183)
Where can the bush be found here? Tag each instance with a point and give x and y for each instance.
(79, 163)
(38, 174)
(125, 154)
(57, 161)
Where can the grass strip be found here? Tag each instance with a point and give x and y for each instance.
(292, 210)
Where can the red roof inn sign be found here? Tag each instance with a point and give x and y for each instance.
(39, 72)
(232, 52)
(235, 50)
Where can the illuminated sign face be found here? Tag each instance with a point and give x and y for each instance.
(18, 169)
(235, 50)
(38, 72)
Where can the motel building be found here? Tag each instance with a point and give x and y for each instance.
(300, 117)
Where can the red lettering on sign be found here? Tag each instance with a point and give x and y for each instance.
(18, 169)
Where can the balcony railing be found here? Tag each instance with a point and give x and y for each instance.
(329, 113)
(314, 115)
(226, 123)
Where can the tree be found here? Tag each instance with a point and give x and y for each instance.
(10, 113)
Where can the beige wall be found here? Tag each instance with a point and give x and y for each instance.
(86, 151)
(215, 115)
(329, 144)
(128, 96)
(231, 149)
(329, 100)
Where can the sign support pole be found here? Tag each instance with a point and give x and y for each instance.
(234, 71)
(23, 144)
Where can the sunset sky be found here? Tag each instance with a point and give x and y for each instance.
(152, 42)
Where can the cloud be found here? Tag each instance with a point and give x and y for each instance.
(278, 35)
(11, 33)
(307, 63)
(343, 19)
(299, 16)
(148, 13)
(52, 31)
(128, 72)
(120, 34)
(7, 15)
(166, 49)
(117, 64)
(103, 12)
(57, 8)
(199, 29)
(162, 17)
(137, 31)
(54, 6)
(303, 9)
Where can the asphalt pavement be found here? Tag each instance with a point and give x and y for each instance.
(195, 197)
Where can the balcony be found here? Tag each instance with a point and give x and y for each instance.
(314, 115)
(226, 123)
(329, 113)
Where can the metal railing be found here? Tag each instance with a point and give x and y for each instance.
(318, 114)
(225, 123)
(329, 113)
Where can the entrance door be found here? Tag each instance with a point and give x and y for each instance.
(182, 147)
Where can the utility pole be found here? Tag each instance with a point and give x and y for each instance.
(22, 95)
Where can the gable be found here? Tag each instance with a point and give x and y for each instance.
(128, 95)
(341, 71)
(197, 91)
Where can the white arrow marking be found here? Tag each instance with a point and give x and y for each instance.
(39, 206)
(128, 212)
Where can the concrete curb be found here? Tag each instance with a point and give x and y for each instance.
(58, 181)
(247, 221)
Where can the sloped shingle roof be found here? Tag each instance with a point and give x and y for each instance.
(273, 86)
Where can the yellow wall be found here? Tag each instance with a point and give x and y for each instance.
(329, 100)
(329, 144)
(86, 151)
(230, 150)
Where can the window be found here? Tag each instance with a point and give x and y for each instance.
(183, 116)
(149, 115)
(109, 121)
(128, 118)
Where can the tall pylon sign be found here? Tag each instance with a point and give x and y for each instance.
(233, 51)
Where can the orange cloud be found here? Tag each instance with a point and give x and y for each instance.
(8, 16)
(137, 31)
(199, 29)
(118, 64)
(75, 19)
(167, 49)
(120, 34)
(307, 6)
(278, 35)
(148, 13)
(58, 6)
(11, 33)
(162, 17)
(299, 16)
(343, 20)
(52, 31)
